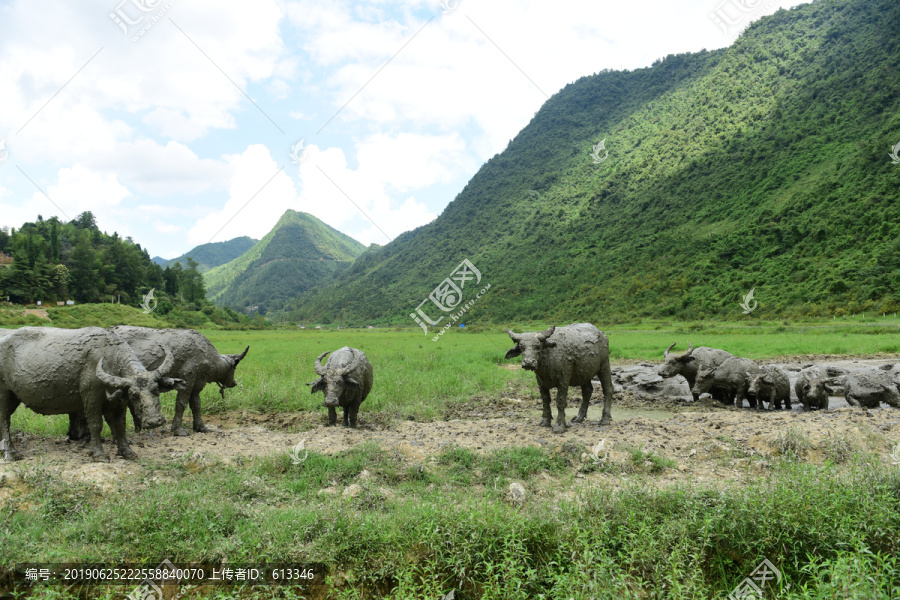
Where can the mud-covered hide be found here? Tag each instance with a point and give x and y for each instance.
(811, 389)
(196, 361)
(346, 380)
(771, 385)
(733, 376)
(688, 364)
(870, 388)
(58, 371)
(562, 357)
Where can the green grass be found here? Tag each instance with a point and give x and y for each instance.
(445, 523)
(416, 377)
(831, 531)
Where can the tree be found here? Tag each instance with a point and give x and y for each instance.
(86, 220)
(84, 274)
(192, 287)
(54, 241)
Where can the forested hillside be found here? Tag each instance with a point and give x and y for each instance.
(52, 261)
(299, 254)
(763, 165)
(55, 261)
(211, 255)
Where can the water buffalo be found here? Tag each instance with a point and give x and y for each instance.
(566, 356)
(346, 380)
(733, 376)
(196, 361)
(810, 388)
(58, 371)
(869, 388)
(688, 364)
(772, 385)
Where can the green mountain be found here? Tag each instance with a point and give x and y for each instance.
(211, 255)
(763, 165)
(299, 254)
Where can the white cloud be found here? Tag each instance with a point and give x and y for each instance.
(258, 194)
(166, 119)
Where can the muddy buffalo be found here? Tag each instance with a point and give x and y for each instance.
(810, 388)
(689, 363)
(58, 371)
(562, 357)
(196, 361)
(733, 376)
(869, 388)
(346, 380)
(772, 385)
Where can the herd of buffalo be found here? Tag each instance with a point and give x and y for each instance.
(93, 374)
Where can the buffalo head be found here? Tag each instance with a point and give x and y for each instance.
(675, 363)
(231, 362)
(333, 381)
(143, 389)
(529, 345)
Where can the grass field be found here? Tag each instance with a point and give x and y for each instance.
(416, 377)
(832, 529)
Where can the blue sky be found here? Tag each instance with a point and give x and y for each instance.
(174, 120)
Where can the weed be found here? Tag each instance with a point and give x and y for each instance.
(792, 444)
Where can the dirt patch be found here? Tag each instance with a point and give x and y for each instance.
(37, 312)
(708, 443)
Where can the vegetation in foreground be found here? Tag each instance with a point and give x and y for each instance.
(422, 530)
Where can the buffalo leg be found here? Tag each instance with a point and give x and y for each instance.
(586, 391)
(562, 393)
(8, 405)
(354, 410)
(547, 416)
(851, 400)
(135, 411)
(199, 425)
(181, 402)
(332, 416)
(94, 415)
(607, 385)
(78, 429)
(115, 417)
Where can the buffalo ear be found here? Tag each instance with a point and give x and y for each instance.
(351, 381)
(688, 359)
(516, 351)
(317, 386)
(167, 384)
(549, 344)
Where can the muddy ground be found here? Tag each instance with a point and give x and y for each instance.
(707, 442)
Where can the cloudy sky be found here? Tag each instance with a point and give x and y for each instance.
(180, 122)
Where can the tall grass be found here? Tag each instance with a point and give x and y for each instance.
(831, 532)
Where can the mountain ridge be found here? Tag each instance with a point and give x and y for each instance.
(299, 253)
(210, 255)
(755, 166)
